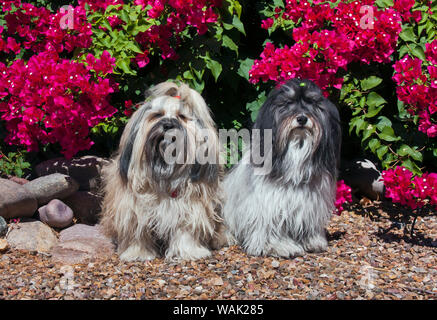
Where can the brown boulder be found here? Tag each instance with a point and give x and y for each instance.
(86, 206)
(53, 186)
(15, 200)
(85, 170)
(80, 243)
(32, 236)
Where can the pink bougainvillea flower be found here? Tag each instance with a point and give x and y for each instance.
(344, 194)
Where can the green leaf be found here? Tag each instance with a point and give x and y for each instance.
(408, 35)
(368, 132)
(405, 150)
(124, 64)
(254, 106)
(245, 66)
(375, 100)
(388, 134)
(188, 75)
(215, 67)
(370, 83)
(419, 53)
(229, 43)
(384, 3)
(236, 22)
(374, 144)
(373, 111)
(105, 23)
(403, 51)
(133, 47)
(381, 151)
(383, 122)
(410, 165)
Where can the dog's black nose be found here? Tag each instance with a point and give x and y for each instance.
(302, 120)
(168, 125)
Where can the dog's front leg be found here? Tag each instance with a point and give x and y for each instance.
(284, 247)
(183, 245)
(222, 238)
(315, 243)
(136, 251)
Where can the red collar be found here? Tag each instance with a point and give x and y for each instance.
(174, 194)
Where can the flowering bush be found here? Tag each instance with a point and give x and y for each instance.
(413, 192)
(409, 190)
(325, 40)
(354, 47)
(61, 66)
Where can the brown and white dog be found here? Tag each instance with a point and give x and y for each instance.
(160, 200)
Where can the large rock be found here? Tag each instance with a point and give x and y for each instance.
(3, 227)
(363, 177)
(86, 206)
(85, 170)
(53, 186)
(15, 200)
(32, 236)
(80, 243)
(56, 214)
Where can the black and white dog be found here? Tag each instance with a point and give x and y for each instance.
(284, 212)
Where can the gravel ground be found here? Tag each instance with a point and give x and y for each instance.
(367, 259)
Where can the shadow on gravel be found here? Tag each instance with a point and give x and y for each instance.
(337, 235)
(401, 220)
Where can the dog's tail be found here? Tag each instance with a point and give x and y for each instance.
(191, 98)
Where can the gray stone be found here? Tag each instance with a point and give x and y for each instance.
(363, 177)
(81, 243)
(32, 236)
(3, 227)
(15, 200)
(85, 170)
(86, 206)
(53, 186)
(56, 214)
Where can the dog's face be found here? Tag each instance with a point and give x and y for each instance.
(158, 147)
(304, 125)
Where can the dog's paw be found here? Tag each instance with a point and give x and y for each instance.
(136, 253)
(223, 239)
(285, 248)
(315, 244)
(184, 246)
(187, 254)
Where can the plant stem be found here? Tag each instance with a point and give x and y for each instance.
(414, 222)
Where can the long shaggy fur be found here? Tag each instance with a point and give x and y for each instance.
(153, 208)
(284, 213)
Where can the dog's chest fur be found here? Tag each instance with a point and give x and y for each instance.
(164, 216)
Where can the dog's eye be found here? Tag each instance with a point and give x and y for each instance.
(156, 115)
(183, 117)
(290, 102)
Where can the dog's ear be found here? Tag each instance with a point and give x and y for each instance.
(124, 160)
(128, 139)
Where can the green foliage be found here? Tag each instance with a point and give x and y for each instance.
(371, 121)
(13, 163)
(121, 44)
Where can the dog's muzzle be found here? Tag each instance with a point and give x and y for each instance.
(302, 122)
(168, 131)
